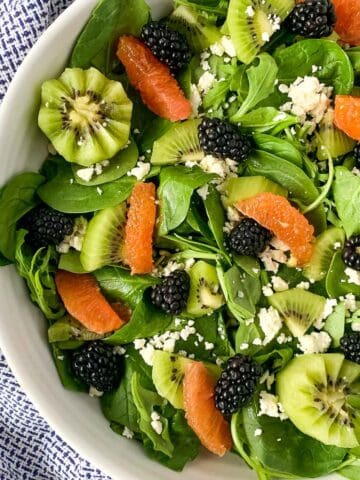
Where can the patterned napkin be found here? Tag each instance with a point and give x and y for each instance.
(29, 448)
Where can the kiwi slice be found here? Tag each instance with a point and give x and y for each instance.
(321, 393)
(198, 32)
(325, 246)
(251, 23)
(179, 144)
(298, 308)
(337, 143)
(103, 239)
(67, 329)
(167, 374)
(85, 115)
(205, 294)
(239, 188)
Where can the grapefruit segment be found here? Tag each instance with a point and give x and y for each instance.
(83, 300)
(159, 90)
(275, 213)
(139, 229)
(200, 411)
(347, 115)
(348, 20)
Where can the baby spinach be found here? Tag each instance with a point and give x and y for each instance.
(62, 361)
(354, 55)
(279, 357)
(261, 78)
(215, 214)
(119, 165)
(249, 264)
(335, 324)
(17, 198)
(109, 20)
(264, 119)
(347, 199)
(64, 194)
(245, 336)
(298, 59)
(279, 147)
(177, 185)
(337, 282)
(351, 472)
(278, 447)
(119, 285)
(71, 262)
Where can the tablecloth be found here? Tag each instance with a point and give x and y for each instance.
(29, 448)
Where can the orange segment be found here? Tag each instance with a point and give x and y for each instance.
(347, 115)
(275, 213)
(83, 300)
(200, 411)
(139, 228)
(348, 20)
(159, 90)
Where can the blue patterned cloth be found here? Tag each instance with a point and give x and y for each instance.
(29, 448)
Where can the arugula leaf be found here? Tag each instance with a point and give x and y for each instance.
(37, 270)
(261, 76)
(109, 20)
(280, 357)
(265, 119)
(177, 185)
(118, 284)
(335, 324)
(17, 198)
(145, 401)
(216, 215)
(347, 199)
(216, 96)
(297, 61)
(62, 193)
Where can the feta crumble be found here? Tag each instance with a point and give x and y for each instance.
(279, 284)
(76, 238)
(206, 81)
(156, 424)
(270, 323)
(315, 342)
(250, 12)
(258, 432)
(140, 170)
(353, 275)
(94, 392)
(270, 406)
(203, 192)
(267, 290)
(195, 100)
(267, 378)
(127, 433)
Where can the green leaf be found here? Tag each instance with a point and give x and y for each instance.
(347, 199)
(280, 357)
(264, 119)
(62, 362)
(335, 324)
(279, 147)
(216, 96)
(246, 334)
(62, 193)
(71, 262)
(17, 198)
(177, 185)
(298, 59)
(261, 76)
(352, 472)
(109, 20)
(119, 285)
(216, 215)
(337, 282)
(68, 328)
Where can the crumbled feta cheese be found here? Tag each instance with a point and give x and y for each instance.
(270, 406)
(140, 170)
(355, 326)
(76, 238)
(314, 68)
(170, 267)
(267, 290)
(249, 321)
(353, 275)
(156, 424)
(282, 338)
(195, 100)
(337, 245)
(350, 302)
(85, 174)
(139, 343)
(127, 433)
(229, 46)
(99, 190)
(206, 81)
(283, 88)
(217, 49)
(258, 432)
(315, 342)
(119, 350)
(188, 264)
(303, 285)
(244, 346)
(267, 378)
(209, 346)
(356, 171)
(94, 392)
(265, 37)
(203, 191)
(279, 284)
(270, 323)
(257, 341)
(274, 254)
(215, 165)
(250, 12)
(187, 331)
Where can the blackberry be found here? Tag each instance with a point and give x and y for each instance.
(237, 384)
(97, 365)
(351, 252)
(169, 46)
(249, 237)
(46, 226)
(172, 293)
(221, 139)
(312, 18)
(350, 345)
(357, 155)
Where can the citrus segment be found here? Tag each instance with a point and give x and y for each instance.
(159, 90)
(139, 228)
(275, 213)
(200, 411)
(347, 115)
(348, 20)
(83, 300)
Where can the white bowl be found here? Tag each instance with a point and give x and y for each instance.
(75, 417)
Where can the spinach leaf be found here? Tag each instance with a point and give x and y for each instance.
(146, 321)
(347, 199)
(62, 193)
(279, 147)
(153, 130)
(176, 241)
(118, 284)
(250, 265)
(67, 328)
(352, 472)
(261, 76)
(62, 362)
(177, 185)
(217, 7)
(186, 444)
(280, 357)
(109, 20)
(335, 324)
(216, 215)
(245, 335)
(354, 55)
(4, 261)
(17, 198)
(337, 282)
(145, 401)
(71, 262)
(264, 119)
(37, 270)
(316, 459)
(297, 61)
(119, 165)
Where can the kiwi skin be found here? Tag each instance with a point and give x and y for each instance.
(103, 239)
(205, 294)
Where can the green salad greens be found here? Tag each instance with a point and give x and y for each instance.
(193, 238)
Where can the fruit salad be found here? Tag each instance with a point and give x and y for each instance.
(193, 237)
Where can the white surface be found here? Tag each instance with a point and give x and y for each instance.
(75, 417)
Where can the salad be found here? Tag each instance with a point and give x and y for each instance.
(193, 238)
